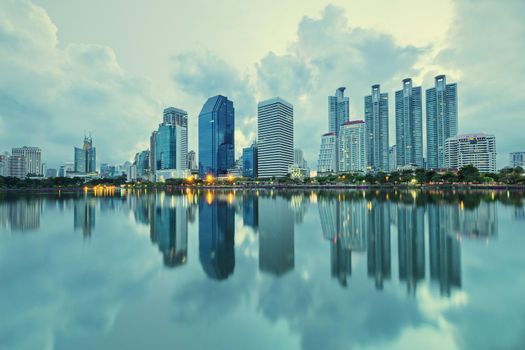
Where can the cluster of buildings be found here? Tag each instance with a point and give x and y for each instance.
(363, 145)
(348, 146)
(271, 155)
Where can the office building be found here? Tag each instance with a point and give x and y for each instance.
(327, 162)
(392, 158)
(216, 136)
(175, 116)
(517, 159)
(299, 168)
(478, 150)
(152, 154)
(50, 173)
(249, 161)
(4, 164)
(409, 125)
(338, 110)
(17, 166)
(85, 157)
(32, 157)
(275, 137)
(192, 161)
(66, 168)
(171, 152)
(376, 122)
(141, 165)
(352, 155)
(442, 120)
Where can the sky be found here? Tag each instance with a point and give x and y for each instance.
(110, 68)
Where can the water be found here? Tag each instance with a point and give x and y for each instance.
(263, 270)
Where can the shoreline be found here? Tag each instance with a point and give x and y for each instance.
(452, 187)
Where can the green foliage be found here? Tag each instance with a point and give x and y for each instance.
(469, 173)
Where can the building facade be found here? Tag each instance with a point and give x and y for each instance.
(376, 122)
(517, 159)
(409, 125)
(192, 161)
(17, 166)
(249, 161)
(478, 150)
(392, 158)
(216, 136)
(171, 152)
(275, 137)
(32, 157)
(86, 157)
(442, 120)
(4, 164)
(327, 162)
(338, 110)
(352, 154)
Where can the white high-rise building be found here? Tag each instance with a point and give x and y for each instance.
(352, 155)
(275, 137)
(478, 150)
(32, 157)
(327, 163)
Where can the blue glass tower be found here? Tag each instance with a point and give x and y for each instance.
(216, 136)
(442, 120)
(249, 161)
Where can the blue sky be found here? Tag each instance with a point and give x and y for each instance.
(111, 67)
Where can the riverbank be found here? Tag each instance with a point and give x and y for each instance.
(266, 186)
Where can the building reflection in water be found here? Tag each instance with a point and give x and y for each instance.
(379, 258)
(217, 234)
(21, 214)
(479, 221)
(84, 215)
(169, 227)
(411, 244)
(445, 250)
(276, 235)
(250, 211)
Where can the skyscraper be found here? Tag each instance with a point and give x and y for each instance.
(275, 137)
(352, 155)
(86, 157)
(478, 150)
(249, 161)
(409, 125)
(442, 120)
(517, 159)
(376, 122)
(152, 152)
(171, 151)
(32, 158)
(216, 136)
(17, 167)
(175, 116)
(338, 110)
(192, 162)
(327, 162)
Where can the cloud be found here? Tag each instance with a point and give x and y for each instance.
(328, 53)
(202, 75)
(50, 94)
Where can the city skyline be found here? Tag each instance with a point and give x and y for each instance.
(108, 86)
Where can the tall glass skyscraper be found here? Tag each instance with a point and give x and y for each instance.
(376, 121)
(216, 136)
(171, 147)
(275, 137)
(86, 157)
(249, 161)
(352, 155)
(409, 125)
(442, 120)
(338, 110)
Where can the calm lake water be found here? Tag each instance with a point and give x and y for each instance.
(263, 270)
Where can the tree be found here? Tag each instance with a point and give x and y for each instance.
(469, 173)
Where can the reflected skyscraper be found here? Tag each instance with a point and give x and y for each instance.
(169, 228)
(216, 236)
(479, 222)
(445, 250)
(250, 211)
(21, 214)
(276, 235)
(379, 256)
(341, 261)
(84, 216)
(411, 244)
